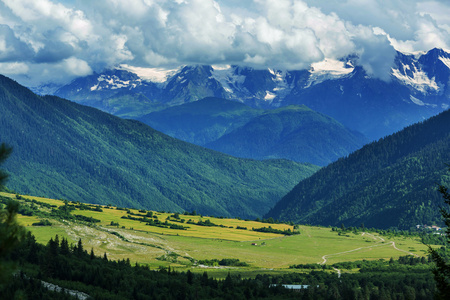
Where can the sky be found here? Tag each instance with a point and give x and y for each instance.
(50, 41)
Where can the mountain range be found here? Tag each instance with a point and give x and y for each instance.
(417, 89)
(292, 132)
(389, 183)
(62, 149)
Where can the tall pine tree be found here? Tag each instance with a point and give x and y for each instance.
(5, 151)
(11, 233)
(442, 270)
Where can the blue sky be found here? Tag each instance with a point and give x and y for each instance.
(55, 41)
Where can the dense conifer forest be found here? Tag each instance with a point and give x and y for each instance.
(68, 151)
(389, 183)
(74, 268)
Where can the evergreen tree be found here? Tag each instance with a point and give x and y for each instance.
(442, 270)
(190, 277)
(32, 245)
(64, 246)
(79, 249)
(5, 151)
(11, 233)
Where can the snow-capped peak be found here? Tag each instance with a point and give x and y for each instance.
(415, 78)
(415, 70)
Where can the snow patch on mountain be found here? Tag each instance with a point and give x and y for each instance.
(156, 75)
(283, 87)
(328, 69)
(227, 76)
(416, 101)
(279, 75)
(112, 82)
(445, 61)
(415, 78)
(420, 102)
(95, 87)
(269, 96)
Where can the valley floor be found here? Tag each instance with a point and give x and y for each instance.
(268, 253)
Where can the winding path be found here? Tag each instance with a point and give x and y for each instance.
(349, 251)
(377, 238)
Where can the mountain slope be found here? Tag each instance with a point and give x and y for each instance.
(201, 121)
(293, 132)
(369, 105)
(66, 150)
(387, 183)
(192, 83)
(118, 92)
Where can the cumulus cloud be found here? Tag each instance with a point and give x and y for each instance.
(412, 25)
(12, 48)
(14, 68)
(374, 51)
(67, 38)
(77, 67)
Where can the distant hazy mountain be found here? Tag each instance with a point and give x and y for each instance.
(417, 90)
(389, 183)
(292, 132)
(66, 150)
(202, 121)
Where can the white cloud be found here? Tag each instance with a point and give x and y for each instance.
(411, 25)
(12, 48)
(90, 35)
(14, 68)
(375, 52)
(439, 11)
(47, 14)
(77, 67)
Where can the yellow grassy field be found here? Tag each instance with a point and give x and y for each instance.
(181, 248)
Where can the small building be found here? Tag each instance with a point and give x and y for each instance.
(294, 287)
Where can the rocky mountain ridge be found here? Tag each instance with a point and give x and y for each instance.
(418, 89)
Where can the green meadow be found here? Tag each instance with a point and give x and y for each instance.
(270, 253)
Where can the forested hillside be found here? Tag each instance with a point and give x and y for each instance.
(389, 183)
(293, 132)
(66, 150)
